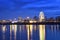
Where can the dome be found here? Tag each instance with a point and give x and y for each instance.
(41, 16)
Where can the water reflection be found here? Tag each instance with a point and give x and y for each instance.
(57, 27)
(3, 30)
(20, 27)
(42, 32)
(13, 28)
(30, 32)
(52, 27)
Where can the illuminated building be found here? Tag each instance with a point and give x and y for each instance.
(41, 27)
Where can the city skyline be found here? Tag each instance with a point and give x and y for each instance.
(29, 19)
(10, 9)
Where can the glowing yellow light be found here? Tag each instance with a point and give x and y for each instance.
(27, 26)
(42, 32)
(31, 21)
(31, 27)
(10, 32)
(14, 28)
(3, 28)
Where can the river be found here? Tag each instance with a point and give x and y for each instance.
(29, 32)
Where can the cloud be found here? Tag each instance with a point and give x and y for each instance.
(14, 8)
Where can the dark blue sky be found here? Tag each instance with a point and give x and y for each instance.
(14, 8)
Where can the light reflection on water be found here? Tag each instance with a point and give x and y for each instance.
(42, 32)
(29, 32)
(14, 29)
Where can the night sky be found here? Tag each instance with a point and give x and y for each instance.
(10, 9)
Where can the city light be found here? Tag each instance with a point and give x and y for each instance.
(31, 26)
